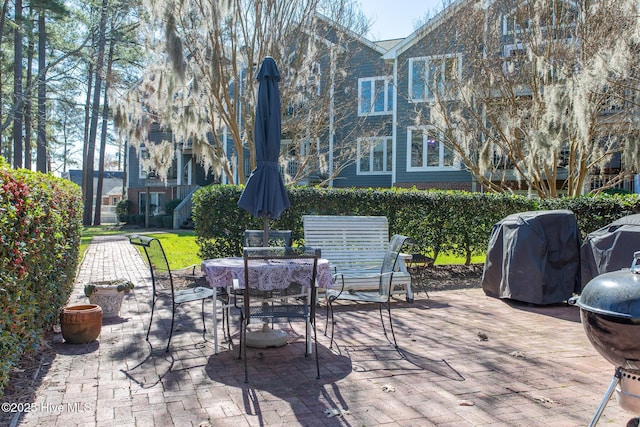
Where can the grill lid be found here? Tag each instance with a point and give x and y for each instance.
(615, 293)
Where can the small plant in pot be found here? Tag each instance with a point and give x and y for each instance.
(108, 295)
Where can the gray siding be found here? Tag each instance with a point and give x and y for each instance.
(363, 62)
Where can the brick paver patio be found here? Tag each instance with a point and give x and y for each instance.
(535, 367)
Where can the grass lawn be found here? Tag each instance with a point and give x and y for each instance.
(446, 259)
(179, 245)
(182, 251)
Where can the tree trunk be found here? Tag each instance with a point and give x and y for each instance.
(17, 87)
(27, 99)
(125, 159)
(5, 5)
(103, 136)
(41, 152)
(95, 111)
(87, 120)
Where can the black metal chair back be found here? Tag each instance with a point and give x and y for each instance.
(383, 294)
(278, 238)
(162, 281)
(290, 301)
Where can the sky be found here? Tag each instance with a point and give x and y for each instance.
(392, 19)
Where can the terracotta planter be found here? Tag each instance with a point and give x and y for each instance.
(81, 324)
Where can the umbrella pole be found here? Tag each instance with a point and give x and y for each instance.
(267, 336)
(265, 234)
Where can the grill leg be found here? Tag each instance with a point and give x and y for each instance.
(605, 399)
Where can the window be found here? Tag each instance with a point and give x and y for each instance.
(375, 96)
(514, 56)
(431, 75)
(559, 14)
(157, 202)
(147, 169)
(614, 100)
(295, 156)
(144, 171)
(375, 156)
(426, 150)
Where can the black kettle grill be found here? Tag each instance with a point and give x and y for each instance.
(610, 313)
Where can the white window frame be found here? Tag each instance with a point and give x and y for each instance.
(509, 18)
(425, 130)
(388, 98)
(154, 199)
(371, 143)
(509, 58)
(143, 153)
(315, 77)
(428, 62)
(187, 172)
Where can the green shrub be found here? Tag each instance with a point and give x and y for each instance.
(40, 225)
(171, 206)
(596, 211)
(123, 208)
(438, 221)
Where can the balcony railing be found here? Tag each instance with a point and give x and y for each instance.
(598, 181)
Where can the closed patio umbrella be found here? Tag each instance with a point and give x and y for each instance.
(265, 195)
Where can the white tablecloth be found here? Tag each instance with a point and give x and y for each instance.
(265, 275)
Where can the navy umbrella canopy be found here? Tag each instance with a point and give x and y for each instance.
(265, 194)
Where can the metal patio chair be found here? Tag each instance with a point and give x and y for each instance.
(162, 281)
(381, 296)
(255, 238)
(285, 302)
(278, 238)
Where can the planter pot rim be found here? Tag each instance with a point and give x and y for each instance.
(106, 284)
(79, 307)
(117, 285)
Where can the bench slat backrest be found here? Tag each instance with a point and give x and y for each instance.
(348, 242)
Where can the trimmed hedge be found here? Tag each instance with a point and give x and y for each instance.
(438, 221)
(40, 226)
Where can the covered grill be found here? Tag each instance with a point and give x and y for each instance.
(610, 312)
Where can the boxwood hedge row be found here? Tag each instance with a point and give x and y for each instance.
(438, 221)
(40, 226)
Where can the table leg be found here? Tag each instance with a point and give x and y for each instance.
(308, 324)
(215, 324)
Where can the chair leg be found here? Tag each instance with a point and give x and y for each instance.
(244, 346)
(241, 337)
(204, 325)
(307, 334)
(228, 312)
(315, 339)
(326, 318)
(393, 334)
(224, 314)
(173, 316)
(333, 323)
(384, 328)
(153, 306)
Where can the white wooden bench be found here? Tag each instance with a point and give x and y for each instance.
(355, 246)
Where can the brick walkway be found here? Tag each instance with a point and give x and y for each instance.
(536, 367)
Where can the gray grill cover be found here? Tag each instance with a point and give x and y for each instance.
(533, 257)
(610, 248)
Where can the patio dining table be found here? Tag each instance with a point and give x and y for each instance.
(268, 275)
